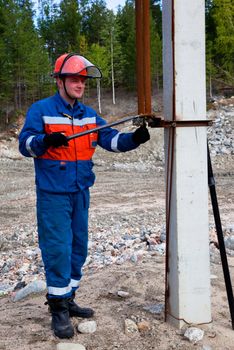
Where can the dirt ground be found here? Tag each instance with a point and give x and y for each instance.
(118, 192)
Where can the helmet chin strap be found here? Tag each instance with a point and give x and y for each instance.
(65, 89)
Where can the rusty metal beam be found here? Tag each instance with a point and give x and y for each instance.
(139, 56)
(146, 55)
(143, 70)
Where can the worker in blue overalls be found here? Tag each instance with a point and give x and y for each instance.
(63, 171)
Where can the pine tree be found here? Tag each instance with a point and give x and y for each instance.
(47, 26)
(94, 19)
(68, 27)
(23, 59)
(125, 21)
(156, 43)
(223, 16)
(220, 43)
(60, 28)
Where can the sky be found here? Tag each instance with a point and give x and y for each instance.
(113, 4)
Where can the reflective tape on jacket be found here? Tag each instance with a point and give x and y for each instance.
(81, 148)
(67, 169)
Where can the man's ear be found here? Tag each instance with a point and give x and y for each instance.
(59, 82)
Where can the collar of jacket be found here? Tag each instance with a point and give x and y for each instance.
(64, 107)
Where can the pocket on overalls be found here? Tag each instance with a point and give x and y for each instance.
(93, 139)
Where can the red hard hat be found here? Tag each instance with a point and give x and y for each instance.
(74, 64)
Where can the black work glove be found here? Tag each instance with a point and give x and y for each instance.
(55, 139)
(141, 135)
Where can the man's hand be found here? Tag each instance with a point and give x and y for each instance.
(55, 139)
(141, 135)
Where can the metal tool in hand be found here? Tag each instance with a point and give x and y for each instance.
(140, 119)
(117, 122)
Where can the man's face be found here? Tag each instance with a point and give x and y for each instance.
(75, 86)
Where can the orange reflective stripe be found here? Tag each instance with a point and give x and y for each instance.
(81, 148)
(84, 144)
(64, 129)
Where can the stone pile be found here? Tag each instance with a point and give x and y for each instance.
(220, 134)
(220, 138)
(115, 239)
(122, 242)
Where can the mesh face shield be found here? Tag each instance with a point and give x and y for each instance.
(73, 64)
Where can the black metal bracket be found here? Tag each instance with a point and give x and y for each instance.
(218, 225)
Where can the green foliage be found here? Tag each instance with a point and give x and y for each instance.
(100, 56)
(223, 16)
(156, 12)
(220, 41)
(125, 21)
(59, 26)
(68, 27)
(94, 19)
(23, 58)
(47, 25)
(30, 44)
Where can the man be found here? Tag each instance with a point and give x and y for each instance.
(64, 174)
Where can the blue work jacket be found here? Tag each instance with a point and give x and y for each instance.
(67, 169)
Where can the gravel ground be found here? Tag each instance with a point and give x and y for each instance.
(126, 251)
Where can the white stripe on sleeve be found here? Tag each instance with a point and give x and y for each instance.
(28, 147)
(114, 142)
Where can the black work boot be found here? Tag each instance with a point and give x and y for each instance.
(61, 323)
(77, 311)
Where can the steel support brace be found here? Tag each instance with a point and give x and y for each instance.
(143, 56)
(153, 122)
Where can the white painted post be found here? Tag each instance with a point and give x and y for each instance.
(188, 274)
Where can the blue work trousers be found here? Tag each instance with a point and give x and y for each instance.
(63, 239)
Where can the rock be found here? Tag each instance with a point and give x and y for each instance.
(159, 248)
(143, 326)
(4, 289)
(87, 327)
(163, 237)
(155, 308)
(130, 326)
(120, 261)
(69, 346)
(33, 287)
(215, 256)
(230, 228)
(122, 294)
(134, 258)
(152, 241)
(229, 242)
(24, 269)
(19, 285)
(206, 347)
(194, 334)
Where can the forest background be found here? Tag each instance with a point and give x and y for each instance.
(34, 33)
